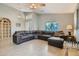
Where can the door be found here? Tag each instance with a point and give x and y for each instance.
(5, 28)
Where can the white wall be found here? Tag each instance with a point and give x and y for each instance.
(62, 19)
(75, 22)
(12, 14)
(37, 21)
(32, 21)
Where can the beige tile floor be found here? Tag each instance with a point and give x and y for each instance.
(33, 48)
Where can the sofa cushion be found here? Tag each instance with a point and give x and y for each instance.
(55, 38)
(46, 35)
(59, 33)
(27, 36)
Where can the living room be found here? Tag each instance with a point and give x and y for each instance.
(42, 25)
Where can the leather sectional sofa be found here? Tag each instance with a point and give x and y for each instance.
(23, 36)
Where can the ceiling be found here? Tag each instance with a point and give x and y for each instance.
(49, 7)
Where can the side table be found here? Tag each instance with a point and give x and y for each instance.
(71, 39)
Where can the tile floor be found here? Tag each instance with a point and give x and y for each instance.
(31, 48)
(34, 48)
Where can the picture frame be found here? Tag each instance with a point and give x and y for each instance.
(18, 24)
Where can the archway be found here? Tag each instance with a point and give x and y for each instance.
(5, 28)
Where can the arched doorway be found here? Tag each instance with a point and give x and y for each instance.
(5, 28)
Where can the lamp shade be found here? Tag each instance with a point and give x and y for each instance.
(69, 27)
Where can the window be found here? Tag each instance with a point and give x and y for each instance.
(52, 26)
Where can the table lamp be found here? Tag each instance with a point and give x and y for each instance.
(69, 28)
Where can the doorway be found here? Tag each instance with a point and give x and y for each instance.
(5, 28)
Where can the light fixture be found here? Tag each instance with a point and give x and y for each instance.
(36, 5)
